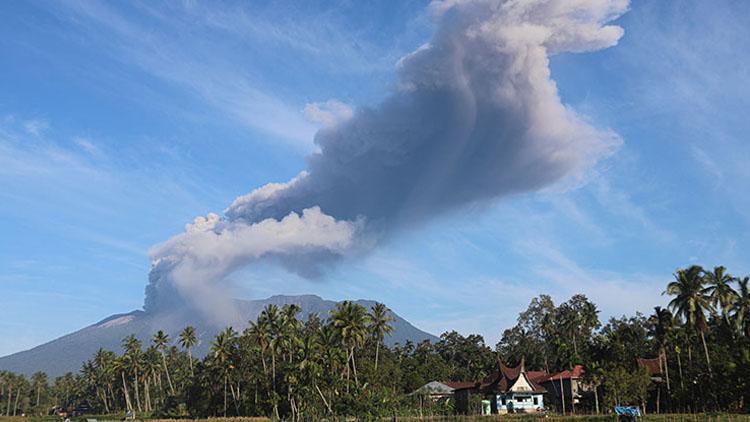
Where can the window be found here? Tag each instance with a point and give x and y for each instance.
(503, 400)
(536, 401)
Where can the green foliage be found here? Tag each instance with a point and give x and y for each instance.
(337, 365)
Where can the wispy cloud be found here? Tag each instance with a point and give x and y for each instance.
(227, 57)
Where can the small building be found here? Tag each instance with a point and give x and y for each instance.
(509, 390)
(653, 367)
(434, 390)
(566, 387)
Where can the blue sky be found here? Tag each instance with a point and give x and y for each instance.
(121, 122)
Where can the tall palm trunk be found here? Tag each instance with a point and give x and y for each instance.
(128, 404)
(38, 393)
(10, 394)
(137, 392)
(111, 394)
(377, 352)
(15, 404)
(147, 392)
(166, 371)
(235, 397)
(666, 366)
(705, 349)
(273, 370)
(190, 359)
(225, 396)
(596, 398)
(105, 400)
(354, 368)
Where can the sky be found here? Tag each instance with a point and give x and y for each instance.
(122, 122)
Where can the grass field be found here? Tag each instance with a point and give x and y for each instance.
(722, 417)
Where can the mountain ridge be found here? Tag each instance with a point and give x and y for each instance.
(68, 352)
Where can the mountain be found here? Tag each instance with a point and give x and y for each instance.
(67, 353)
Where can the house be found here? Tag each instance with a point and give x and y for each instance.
(653, 367)
(508, 390)
(657, 370)
(434, 390)
(566, 386)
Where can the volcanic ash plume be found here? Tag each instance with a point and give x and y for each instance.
(475, 116)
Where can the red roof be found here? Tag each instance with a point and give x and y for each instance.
(456, 385)
(653, 366)
(537, 376)
(577, 372)
(502, 380)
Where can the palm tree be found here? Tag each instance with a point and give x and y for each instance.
(9, 379)
(151, 369)
(188, 339)
(120, 365)
(350, 321)
(742, 307)
(662, 323)
(222, 351)
(289, 328)
(691, 302)
(160, 340)
(133, 355)
(104, 363)
(270, 318)
(39, 382)
(380, 325)
(719, 288)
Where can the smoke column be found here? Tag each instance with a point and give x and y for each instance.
(475, 116)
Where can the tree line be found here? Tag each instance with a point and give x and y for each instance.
(288, 367)
(701, 340)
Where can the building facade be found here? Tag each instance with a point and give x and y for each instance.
(509, 390)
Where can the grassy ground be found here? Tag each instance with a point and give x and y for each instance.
(602, 418)
(511, 418)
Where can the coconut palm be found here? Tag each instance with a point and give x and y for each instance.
(133, 355)
(289, 327)
(742, 306)
(691, 302)
(160, 341)
(350, 320)
(104, 363)
(188, 339)
(271, 319)
(152, 366)
(662, 323)
(120, 366)
(39, 383)
(222, 353)
(719, 288)
(380, 325)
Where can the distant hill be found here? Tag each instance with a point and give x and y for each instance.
(67, 353)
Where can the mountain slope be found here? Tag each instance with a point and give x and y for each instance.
(67, 353)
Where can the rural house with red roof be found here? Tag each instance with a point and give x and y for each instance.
(566, 387)
(508, 390)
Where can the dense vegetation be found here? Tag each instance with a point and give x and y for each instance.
(283, 367)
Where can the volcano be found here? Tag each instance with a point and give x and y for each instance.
(67, 353)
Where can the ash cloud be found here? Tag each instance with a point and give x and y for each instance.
(475, 117)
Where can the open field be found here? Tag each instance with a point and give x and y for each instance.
(515, 418)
